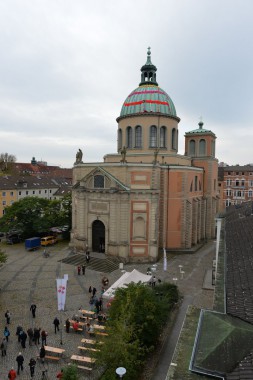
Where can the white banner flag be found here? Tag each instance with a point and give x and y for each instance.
(164, 260)
(61, 292)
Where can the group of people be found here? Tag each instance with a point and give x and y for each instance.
(81, 268)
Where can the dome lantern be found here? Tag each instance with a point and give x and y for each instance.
(148, 72)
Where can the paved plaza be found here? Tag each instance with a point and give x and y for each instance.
(28, 278)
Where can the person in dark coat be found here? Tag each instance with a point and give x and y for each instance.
(94, 290)
(56, 323)
(44, 338)
(79, 270)
(8, 317)
(42, 354)
(20, 360)
(33, 309)
(6, 333)
(30, 336)
(4, 347)
(32, 365)
(36, 335)
(83, 269)
(18, 331)
(87, 257)
(23, 338)
(67, 323)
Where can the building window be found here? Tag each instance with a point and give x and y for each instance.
(99, 181)
(11, 193)
(213, 148)
(192, 148)
(163, 137)
(242, 183)
(229, 173)
(4, 203)
(228, 193)
(173, 139)
(19, 193)
(228, 182)
(214, 184)
(50, 191)
(250, 193)
(250, 183)
(3, 193)
(33, 191)
(11, 202)
(3, 211)
(39, 191)
(138, 137)
(237, 183)
(119, 139)
(45, 191)
(191, 188)
(129, 137)
(202, 147)
(199, 185)
(27, 192)
(153, 137)
(196, 183)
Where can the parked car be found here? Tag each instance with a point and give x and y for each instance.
(13, 239)
(48, 240)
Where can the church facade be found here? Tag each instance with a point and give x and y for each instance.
(147, 196)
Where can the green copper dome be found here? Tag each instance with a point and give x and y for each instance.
(148, 97)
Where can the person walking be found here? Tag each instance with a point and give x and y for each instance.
(30, 336)
(94, 290)
(87, 257)
(18, 331)
(36, 335)
(44, 338)
(42, 354)
(7, 333)
(23, 338)
(3, 347)
(83, 269)
(12, 374)
(90, 289)
(33, 309)
(79, 270)
(20, 360)
(56, 323)
(32, 365)
(67, 323)
(8, 317)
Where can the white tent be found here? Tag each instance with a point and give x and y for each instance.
(134, 276)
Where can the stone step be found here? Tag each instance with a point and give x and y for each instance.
(104, 265)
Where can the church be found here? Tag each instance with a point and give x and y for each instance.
(147, 197)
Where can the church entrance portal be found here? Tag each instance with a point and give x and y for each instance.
(98, 236)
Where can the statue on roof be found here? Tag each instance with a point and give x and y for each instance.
(79, 156)
(123, 154)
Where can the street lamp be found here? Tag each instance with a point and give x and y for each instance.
(121, 371)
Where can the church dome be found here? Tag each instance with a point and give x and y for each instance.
(148, 97)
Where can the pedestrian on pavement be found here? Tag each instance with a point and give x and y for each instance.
(79, 270)
(33, 309)
(67, 323)
(30, 336)
(90, 289)
(56, 323)
(12, 374)
(36, 335)
(87, 257)
(94, 290)
(18, 331)
(7, 333)
(20, 360)
(8, 317)
(23, 338)
(43, 338)
(32, 365)
(42, 354)
(83, 269)
(3, 347)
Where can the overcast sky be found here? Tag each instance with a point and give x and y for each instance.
(67, 66)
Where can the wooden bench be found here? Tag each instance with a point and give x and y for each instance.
(82, 367)
(100, 333)
(90, 341)
(48, 357)
(83, 359)
(80, 329)
(88, 348)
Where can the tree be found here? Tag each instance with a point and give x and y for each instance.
(33, 215)
(136, 317)
(70, 372)
(6, 158)
(3, 257)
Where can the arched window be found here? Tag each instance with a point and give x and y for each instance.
(99, 181)
(202, 147)
(173, 138)
(192, 148)
(153, 137)
(163, 137)
(196, 183)
(213, 149)
(139, 229)
(129, 137)
(138, 137)
(119, 139)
